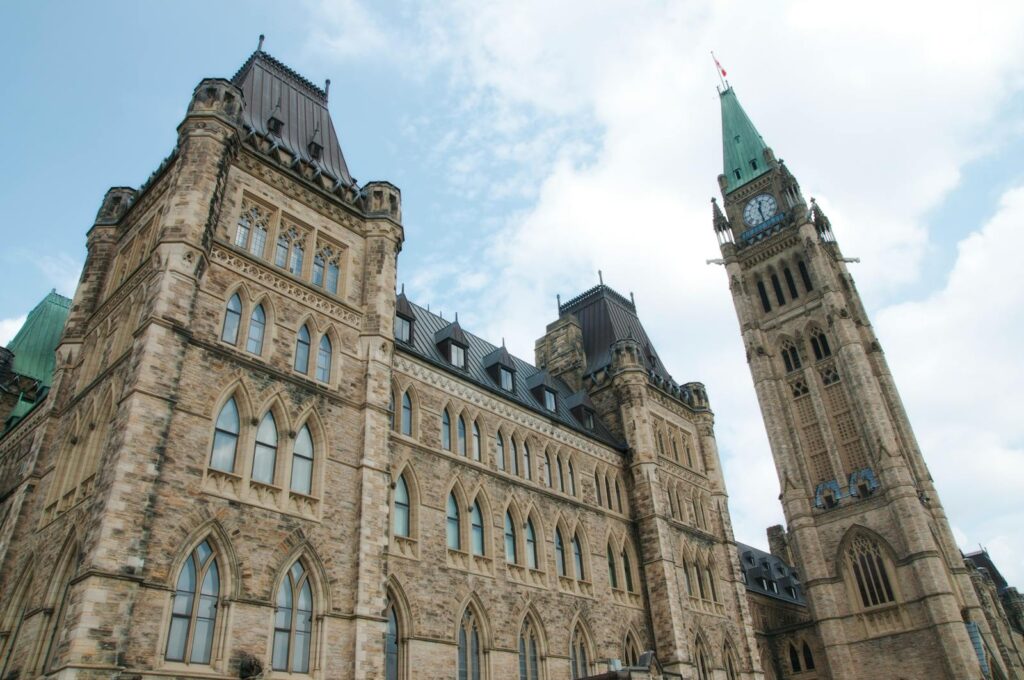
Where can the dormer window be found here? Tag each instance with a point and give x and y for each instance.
(549, 400)
(507, 379)
(315, 151)
(452, 343)
(403, 329)
(737, 173)
(457, 355)
(753, 164)
(588, 420)
(275, 125)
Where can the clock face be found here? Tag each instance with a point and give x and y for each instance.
(759, 209)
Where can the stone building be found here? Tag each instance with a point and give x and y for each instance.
(245, 456)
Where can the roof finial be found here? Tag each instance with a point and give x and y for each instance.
(259, 48)
(632, 299)
(456, 317)
(558, 300)
(403, 288)
(600, 277)
(327, 88)
(503, 341)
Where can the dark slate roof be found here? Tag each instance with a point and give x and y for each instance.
(35, 344)
(757, 564)
(271, 89)
(605, 318)
(982, 560)
(425, 329)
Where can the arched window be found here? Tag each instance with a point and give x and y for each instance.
(293, 622)
(302, 462)
(631, 652)
(527, 463)
(618, 496)
(597, 487)
(454, 539)
(579, 659)
(608, 493)
(808, 657)
(703, 668)
(558, 471)
(700, 581)
(391, 410)
(675, 449)
(790, 357)
(302, 350)
(401, 522)
(528, 656)
(190, 639)
(790, 283)
(804, 276)
(232, 320)
(392, 645)
(577, 558)
(531, 546)
(510, 539)
(794, 659)
(499, 443)
(257, 325)
(323, 360)
(763, 294)
(477, 529)
(778, 290)
(406, 414)
(476, 441)
(461, 436)
(547, 469)
(572, 480)
(446, 430)
(514, 455)
(264, 458)
(819, 344)
(225, 438)
(627, 570)
(469, 648)
(559, 553)
(689, 578)
(613, 577)
(865, 560)
(711, 584)
(333, 274)
(730, 666)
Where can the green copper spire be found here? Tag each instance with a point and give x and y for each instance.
(742, 146)
(36, 342)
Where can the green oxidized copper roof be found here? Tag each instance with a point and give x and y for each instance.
(741, 143)
(35, 344)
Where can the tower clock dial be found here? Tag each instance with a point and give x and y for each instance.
(759, 209)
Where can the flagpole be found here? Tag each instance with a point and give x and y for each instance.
(719, 71)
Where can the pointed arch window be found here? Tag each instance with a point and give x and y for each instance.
(302, 462)
(790, 357)
(194, 608)
(499, 443)
(264, 459)
(531, 546)
(579, 659)
(819, 344)
(790, 283)
(627, 570)
(232, 320)
(453, 533)
(225, 438)
(613, 577)
(703, 667)
(400, 525)
(597, 487)
(514, 455)
(302, 342)
(476, 441)
(547, 469)
(392, 644)
(293, 622)
(527, 462)
(477, 529)
(572, 480)
(511, 555)
(406, 414)
(577, 558)
(528, 656)
(689, 578)
(469, 648)
(558, 471)
(446, 430)
(323, 360)
(257, 326)
(794, 659)
(730, 666)
(559, 553)
(618, 496)
(777, 287)
(766, 305)
(461, 436)
(804, 276)
(869, 570)
(808, 657)
(631, 652)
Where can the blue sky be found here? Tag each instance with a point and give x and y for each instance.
(536, 143)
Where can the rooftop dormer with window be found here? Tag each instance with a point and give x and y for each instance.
(502, 369)
(452, 343)
(404, 318)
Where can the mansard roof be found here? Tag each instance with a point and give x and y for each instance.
(35, 344)
(427, 326)
(757, 564)
(272, 90)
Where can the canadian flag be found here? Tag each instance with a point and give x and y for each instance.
(720, 69)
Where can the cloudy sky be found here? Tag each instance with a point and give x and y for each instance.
(538, 142)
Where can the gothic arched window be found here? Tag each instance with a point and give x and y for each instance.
(446, 430)
(452, 524)
(401, 523)
(572, 480)
(392, 645)
(531, 546)
(225, 438)
(627, 570)
(477, 529)
(794, 659)
(579, 658)
(527, 463)
(528, 655)
(302, 350)
(194, 608)
(703, 668)
(302, 462)
(232, 320)
(547, 469)
(499, 443)
(511, 554)
(808, 657)
(613, 577)
(514, 455)
(577, 558)
(461, 436)
(323, 360)
(264, 458)
(469, 647)
(406, 414)
(257, 325)
(293, 621)
(559, 553)
(819, 344)
(476, 441)
(869, 570)
(790, 357)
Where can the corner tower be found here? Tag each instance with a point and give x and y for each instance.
(884, 579)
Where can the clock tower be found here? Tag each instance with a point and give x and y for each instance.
(885, 582)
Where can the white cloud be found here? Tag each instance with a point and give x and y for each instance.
(876, 110)
(9, 328)
(61, 271)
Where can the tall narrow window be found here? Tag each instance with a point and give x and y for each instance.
(406, 414)
(613, 578)
(872, 578)
(295, 262)
(763, 294)
(572, 480)
(403, 329)
(527, 462)
(578, 657)
(281, 251)
(257, 324)
(190, 639)
(446, 430)
(259, 241)
(323, 360)
(454, 537)
(499, 444)
(547, 469)
(232, 320)
(318, 270)
(608, 493)
(477, 529)
(514, 454)
(476, 441)
(302, 462)
(506, 379)
(703, 668)
(778, 290)
(559, 553)
(549, 400)
(392, 650)
(627, 570)
(528, 656)
(461, 436)
(510, 540)
(618, 496)
(242, 232)
(333, 274)
(558, 471)
(577, 558)
(293, 622)
(531, 546)
(302, 350)
(730, 667)
(469, 648)
(794, 659)
(400, 524)
(225, 438)
(804, 276)
(597, 487)
(264, 459)
(790, 283)
(808, 658)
